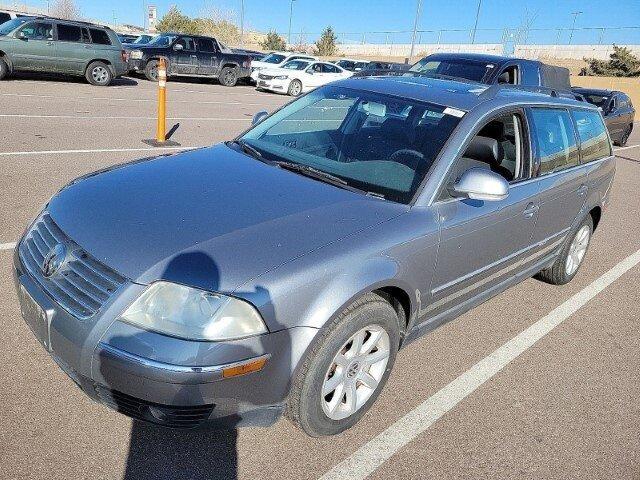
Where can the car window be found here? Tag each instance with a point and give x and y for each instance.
(594, 142)
(329, 130)
(11, 25)
(346, 64)
(315, 68)
(296, 65)
(206, 45)
(187, 43)
(474, 70)
(556, 139)
(99, 37)
(274, 58)
(328, 68)
(69, 33)
(4, 17)
(38, 31)
(85, 35)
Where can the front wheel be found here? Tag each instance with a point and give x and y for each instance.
(4, 69)
(346, 370)
(295, 88)
(99, 73)
(228, 76)
(151, 70)
(571, 256)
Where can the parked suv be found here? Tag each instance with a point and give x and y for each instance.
(283, 270)
(619, 113)
(42, 44)
(189, 56)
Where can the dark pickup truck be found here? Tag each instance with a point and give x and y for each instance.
(494, 69)
(388, 69)
(189, 56)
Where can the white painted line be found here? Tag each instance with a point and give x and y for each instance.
(102, 150)
(374, 453)
(625, 148)
(94, 117)
(7, 246)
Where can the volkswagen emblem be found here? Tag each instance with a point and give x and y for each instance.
(54, 260)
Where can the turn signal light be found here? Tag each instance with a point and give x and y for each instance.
(252, 366)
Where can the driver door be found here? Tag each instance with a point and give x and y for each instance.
(184, 59)
(314, 76)
(34, 48)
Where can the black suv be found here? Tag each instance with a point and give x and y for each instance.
(618, 111)
(189, 56)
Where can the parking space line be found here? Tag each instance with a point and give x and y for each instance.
(377, 451)
(95, 117)
(625, 148)
(7, 246)
(100, 150)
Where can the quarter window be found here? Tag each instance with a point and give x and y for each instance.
(69, 33)
(206, 45)
(38, 31)
(594, 142)
(99, 37)
(557, 146)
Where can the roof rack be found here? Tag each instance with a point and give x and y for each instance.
(81, 22)
(493, 90)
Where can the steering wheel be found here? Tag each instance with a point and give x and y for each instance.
(407, 157)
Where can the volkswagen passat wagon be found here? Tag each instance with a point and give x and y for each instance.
(282, 271)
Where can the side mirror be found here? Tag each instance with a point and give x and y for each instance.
(21, 35)
(260, 116)
(177, 47)
(481, 184)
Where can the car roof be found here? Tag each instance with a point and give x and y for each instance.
(73, 22)
(456, 94)
(594, 91)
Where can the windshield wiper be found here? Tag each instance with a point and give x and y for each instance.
(249, 150)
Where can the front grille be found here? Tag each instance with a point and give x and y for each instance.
(166, 415)
(262, 76)
(82, 285)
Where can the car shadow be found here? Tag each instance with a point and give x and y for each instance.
(635, 160)
(59, 78)
(208, 451)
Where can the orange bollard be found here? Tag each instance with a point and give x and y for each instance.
(161, 125)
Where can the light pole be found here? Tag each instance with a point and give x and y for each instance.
(415, 28)
(242, 23)
(290, 18)
(573, 26)
(475, 26)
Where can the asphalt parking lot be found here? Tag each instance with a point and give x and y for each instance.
(539, 382)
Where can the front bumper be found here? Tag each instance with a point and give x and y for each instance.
(274, 85)
(160, 379)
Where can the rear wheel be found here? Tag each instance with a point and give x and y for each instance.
(228, 76)
(295, 88)
(151, 70)
(99, 73)
(346, 370)
(571, 256)
(4, 69)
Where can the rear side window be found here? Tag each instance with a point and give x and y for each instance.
(4, 17)
(594, 142)
(99, 37)
(327, 68)
(206, 45)
(69, 33)
(556, 139)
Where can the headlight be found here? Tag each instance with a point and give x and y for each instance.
(282, 77)
(136, 54)
(193, 314)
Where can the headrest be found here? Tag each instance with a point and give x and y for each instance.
(484, 149)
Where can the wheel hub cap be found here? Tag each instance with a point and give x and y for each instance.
(577, 250)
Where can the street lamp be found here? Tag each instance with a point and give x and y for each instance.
(242, 23)
(475, 26)
(573, 26)
(290, 18)
(415, 28)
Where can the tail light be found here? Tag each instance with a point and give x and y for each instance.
(125, 55)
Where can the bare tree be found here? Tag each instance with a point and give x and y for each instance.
(65, 9)
(526, 24)
(217, 23)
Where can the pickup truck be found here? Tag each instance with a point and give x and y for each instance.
(189, 56)
(494, 69)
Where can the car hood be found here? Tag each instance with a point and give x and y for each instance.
(212, 218)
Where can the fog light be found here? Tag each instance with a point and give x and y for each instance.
(237, 370)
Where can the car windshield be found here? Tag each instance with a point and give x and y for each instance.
(376, 143)
(142, 39)
(8, 27)
(296, 65)
(473, 70)
(273, 58)
(163, 40)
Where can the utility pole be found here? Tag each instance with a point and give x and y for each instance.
(475, 26)
(290, 18)
(242, 23)
(573, 26)
(415, 29)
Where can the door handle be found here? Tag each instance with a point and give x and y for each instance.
(582, 191)
(531, 210)
(194, 56)
(49, 43)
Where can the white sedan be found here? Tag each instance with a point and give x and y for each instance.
(299, 76)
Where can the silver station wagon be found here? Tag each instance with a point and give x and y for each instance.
(282, 271)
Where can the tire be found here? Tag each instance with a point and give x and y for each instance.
(295, 88)
(151, 70)
(372, 319)
(228, 76)
(625, 137)
(565, 268)
(99, 74)
(4, 69)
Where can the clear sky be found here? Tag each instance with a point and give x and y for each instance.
(311, 16)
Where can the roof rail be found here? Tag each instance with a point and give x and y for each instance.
(493, 90)
(81, 22)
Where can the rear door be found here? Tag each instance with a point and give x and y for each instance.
(36, 49)
(71, 54)
(184, 61)
(561, 177)
(209, 56)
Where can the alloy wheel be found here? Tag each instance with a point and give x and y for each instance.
(100, 74)
(577, 250)
(355, 372)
